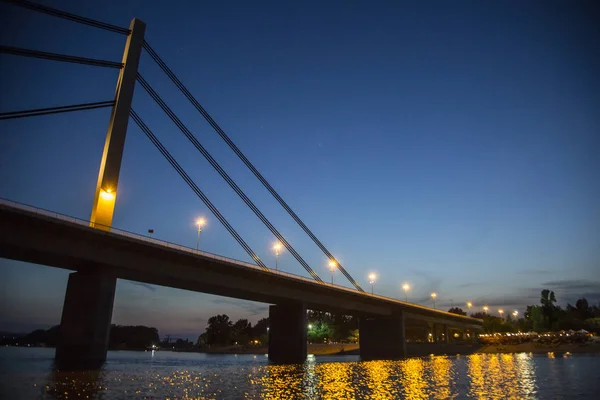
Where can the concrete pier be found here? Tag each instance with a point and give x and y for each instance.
(85, 323)
(287, 333)
(382, 338)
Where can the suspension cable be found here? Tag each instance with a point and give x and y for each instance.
(159, 146)
(17, 51)
(69, 16)
(224, 174)
(55, 110)
(245, 160)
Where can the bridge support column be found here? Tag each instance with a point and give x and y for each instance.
(287, 333)
(85, 323)
(446, 338)
(382, 338)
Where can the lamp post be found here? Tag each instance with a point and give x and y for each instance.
(277, 248)
(372, 278)
(485, 309)
(332, 266)
(433, 296)
(515, 313)
(200, 222)
(406, 288)
(501, 312)
(469, 305)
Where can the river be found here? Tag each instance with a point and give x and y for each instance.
(26, 373)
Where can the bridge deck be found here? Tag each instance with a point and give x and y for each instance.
(44, 237)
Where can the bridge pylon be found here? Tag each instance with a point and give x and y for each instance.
(110, 165)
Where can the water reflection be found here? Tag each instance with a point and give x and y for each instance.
(176, 376)
(74, 385)
(414, 385)
(502, 376)
(441, 371)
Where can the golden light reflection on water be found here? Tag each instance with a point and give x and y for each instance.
(335, 380)
(482, 376)
(501, 376)
(380, 378)
(414, 386)
(441, 371)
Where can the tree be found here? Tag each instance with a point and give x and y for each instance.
(218, 330)
(241, 331)
(260, 328)
(457, 310)
(548, 308)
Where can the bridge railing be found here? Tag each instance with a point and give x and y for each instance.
(164, 243)
(149, 239)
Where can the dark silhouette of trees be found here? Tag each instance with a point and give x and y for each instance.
(457, 310)
(241, 331)
(121, 337)
(132, 337)
(218, 331)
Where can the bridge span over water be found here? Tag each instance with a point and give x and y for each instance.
(100, 257)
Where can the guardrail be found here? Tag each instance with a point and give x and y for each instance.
(149, 239)
(170, 245)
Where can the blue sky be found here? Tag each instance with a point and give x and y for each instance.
(452, 145)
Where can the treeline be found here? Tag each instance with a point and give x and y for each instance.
(545, 317)
(121, 337)
(222, 331)
(323, 327)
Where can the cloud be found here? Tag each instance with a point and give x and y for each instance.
(574, 284)
(534, 272)
(470, 284)
(250, 307)
(151, 288)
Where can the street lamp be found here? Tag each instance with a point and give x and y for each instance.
(485, 309)
(433, 296)
(406, 288)
(200, 222)
(309, 326)
(372, 278)
(332, 266)
(277, 248)
(469, 304)
(515, 313)
(500, 311)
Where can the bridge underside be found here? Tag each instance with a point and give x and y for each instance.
(29, 237)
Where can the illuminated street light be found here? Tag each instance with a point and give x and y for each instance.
(469, 304)
(406, 288)
(501, 312)
(515, 313)
(485, 309)
(200, 222)
(107, 194)
(433, 296)
(332, 267)
(372, 278)
(309, 326)
(277, 248)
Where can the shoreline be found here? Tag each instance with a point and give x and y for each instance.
(412, 349)
(420, 350)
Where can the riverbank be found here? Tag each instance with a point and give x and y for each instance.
(425, 349)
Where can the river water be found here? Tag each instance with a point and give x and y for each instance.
(26, 373)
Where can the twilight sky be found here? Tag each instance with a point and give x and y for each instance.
(452, 145)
